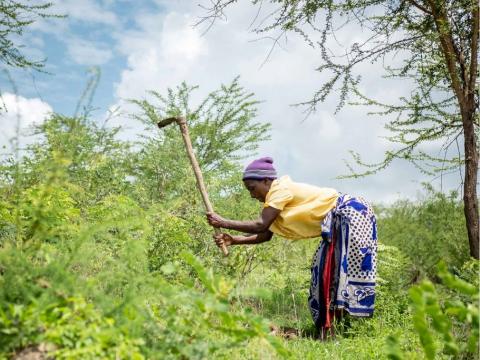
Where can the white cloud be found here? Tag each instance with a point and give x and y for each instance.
(181, 41)
(166, 50)
(78, 11)
(91, 14)
(88, 53)
(329, 128)
(86, 11)
(20, 113)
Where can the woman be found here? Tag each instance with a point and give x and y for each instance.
(343, 267)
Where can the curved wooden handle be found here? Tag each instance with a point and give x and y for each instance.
(196, 169)
(223, 247)
(224, 250)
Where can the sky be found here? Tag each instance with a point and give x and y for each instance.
(153, 45)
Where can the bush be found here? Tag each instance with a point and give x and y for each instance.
(70, 327)
(446, 318)
(427, 231)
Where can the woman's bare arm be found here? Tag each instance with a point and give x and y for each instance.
(267, 217)
(230, 240)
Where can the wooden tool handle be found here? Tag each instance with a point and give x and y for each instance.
(198, 173)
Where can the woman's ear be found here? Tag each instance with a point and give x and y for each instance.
(267, 183)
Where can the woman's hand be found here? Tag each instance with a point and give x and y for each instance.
(215, 220)
(222, 239)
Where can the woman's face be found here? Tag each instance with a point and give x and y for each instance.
(258, 188)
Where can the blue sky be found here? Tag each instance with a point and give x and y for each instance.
(66, 44)
(153, 45)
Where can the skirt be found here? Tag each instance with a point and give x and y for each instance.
(344, 265)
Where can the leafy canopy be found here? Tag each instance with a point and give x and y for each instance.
(405, 39)
(15, 17)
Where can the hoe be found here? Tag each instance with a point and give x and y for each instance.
(182, 123)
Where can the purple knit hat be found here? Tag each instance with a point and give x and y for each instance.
(260, 169)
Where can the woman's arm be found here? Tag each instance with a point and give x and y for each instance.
(230, 240)
(267, 217)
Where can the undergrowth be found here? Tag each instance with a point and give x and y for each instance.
(105, 253)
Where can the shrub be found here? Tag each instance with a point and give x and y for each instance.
(428, 230)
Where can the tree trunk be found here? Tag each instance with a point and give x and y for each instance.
(464, 89)
(470, 198)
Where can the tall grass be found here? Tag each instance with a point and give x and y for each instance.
(105, 253)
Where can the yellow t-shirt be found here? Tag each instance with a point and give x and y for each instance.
(302, 206)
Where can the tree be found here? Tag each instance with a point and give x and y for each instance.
(438, 40)
(15, 17)
(222, 130)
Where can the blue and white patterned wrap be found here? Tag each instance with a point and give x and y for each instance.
(353, 281)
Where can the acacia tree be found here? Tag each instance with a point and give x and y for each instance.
(222, 128)
(438, 41)
(15, 17)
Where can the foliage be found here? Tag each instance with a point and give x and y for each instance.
(240, 325)
(430, 44)
(433, 226)
(178, 319)
(91, 267)
(407, 39)
(286, 274)
(99, 258)
(222, 129)
(455, 320)
(72, 328)
(15, 17)
(97, 159)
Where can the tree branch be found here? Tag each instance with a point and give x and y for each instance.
(448, 47)
(420, 7)
(474, 52)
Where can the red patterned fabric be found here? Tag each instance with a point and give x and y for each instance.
(327, 277)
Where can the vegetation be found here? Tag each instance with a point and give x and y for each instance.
(105, 253)
(437, 44)
(15, 17)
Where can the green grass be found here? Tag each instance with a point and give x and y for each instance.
(96, 265)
